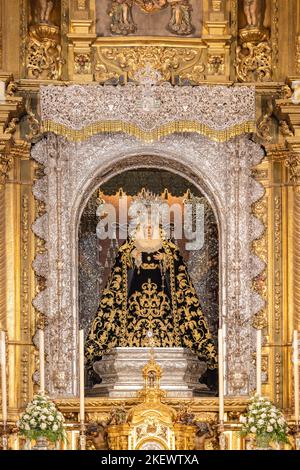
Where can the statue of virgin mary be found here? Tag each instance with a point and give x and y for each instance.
(149, 290)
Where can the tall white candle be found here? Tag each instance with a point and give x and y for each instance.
(42, 360)
(3, 377)
(296, 374)
(2, 91)
(81, 375)
(258, 361)
(221, 374)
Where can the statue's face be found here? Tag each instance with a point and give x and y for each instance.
(149, 231)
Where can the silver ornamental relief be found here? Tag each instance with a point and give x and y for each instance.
(73, 171)
(218, 107)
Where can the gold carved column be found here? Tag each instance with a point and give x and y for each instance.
(297, 39)
(81, 36)
(290, 111)
(17, 212)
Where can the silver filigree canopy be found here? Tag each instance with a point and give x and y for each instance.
(219, 112)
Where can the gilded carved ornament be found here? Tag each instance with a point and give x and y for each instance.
(82, 63)
(293, 163)
(297, 58)
(6, 162)
(264, 124)
(81, 4)
(44, 53)
(10, 115)
(33, 122)
(259, 321)
(171, 62)
(254, 62)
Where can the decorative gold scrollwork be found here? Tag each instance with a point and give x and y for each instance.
(171, 62)
(254, 62)
(44, 57)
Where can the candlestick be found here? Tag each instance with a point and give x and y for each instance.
(81, 390)
(42, 360)
(221, 374)
(296, 375)
(3, 377)
(258, 361)
(2, 91)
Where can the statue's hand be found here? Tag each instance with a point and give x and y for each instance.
(159, 256)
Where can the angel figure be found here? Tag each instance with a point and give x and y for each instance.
(121, 17)
(46, 7)
(253, 12)
(181, 20)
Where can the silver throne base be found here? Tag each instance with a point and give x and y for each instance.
(121, 372)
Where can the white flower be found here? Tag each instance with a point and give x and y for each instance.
(254, 412)
(43, 426)
(60, 418)
(27, 427)
(55, 427)
(50, 418)
(243, 419)
(251, 420)
(272, 421)
(270, 429)
(253, 429)
(33, 422)
(263, 416)
(261, 422)
(26, 417)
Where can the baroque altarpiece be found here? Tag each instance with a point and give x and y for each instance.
(194, 100)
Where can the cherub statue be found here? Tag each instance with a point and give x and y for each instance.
(204, 431)
(97, 436)
(46, 7)
(121, 17)
(185, 415)
(117, 415)
(253, 10)
(180, 21)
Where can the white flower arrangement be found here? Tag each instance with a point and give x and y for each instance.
(265, 422)
(42, 419)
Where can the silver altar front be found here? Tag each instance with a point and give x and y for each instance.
(121, 372)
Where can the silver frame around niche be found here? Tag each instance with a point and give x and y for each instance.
(221, 171)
